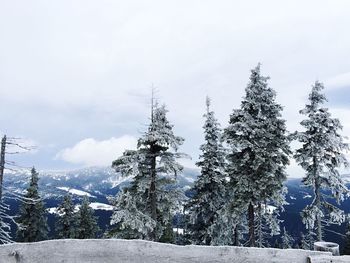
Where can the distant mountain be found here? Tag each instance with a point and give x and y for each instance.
(95, 182)
(99, 183)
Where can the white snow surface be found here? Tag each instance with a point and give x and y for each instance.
(52, 210)
(74, 191)
(101, 206)
(116, 180)
(135, 251)
(269, 209)
(93, 205)
(178, 231)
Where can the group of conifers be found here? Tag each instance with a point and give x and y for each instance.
(240, 190)
(71, 221)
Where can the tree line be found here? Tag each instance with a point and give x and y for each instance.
(237, 198)
(71, 221)
(240, 191)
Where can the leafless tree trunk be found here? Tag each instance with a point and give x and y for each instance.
(2, 162)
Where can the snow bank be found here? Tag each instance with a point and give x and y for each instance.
(178, 231)
(101, 206)
(93, 205)
(74, 191)
(137, 251)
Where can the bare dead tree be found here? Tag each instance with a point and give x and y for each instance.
(2, 162)
(9, 146)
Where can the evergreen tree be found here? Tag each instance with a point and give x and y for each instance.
(229, 227)
(277, 244)
(32, 219)
(87, 222)
(267, 224)
(130, 221)
(209, 187)
(259, 150)
(168, 235)
(307, 240)
(67, 220)
(287, 239)
(145, 209)
(320, 155)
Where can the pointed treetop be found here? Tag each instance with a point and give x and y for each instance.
(34, 178)
(154, 101)
(257, 68)
(255, 72)
(207, 103)
(316, 97)
(257, 78)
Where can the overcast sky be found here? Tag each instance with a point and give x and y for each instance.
(75, 76)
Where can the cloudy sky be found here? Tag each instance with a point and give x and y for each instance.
(75, 76)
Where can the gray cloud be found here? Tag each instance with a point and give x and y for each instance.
(71, 70)
(340, 97)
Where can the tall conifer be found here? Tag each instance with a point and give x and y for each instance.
(259, 150)
(32, 220)
(66, 224)
(86, 221)
(209, 187)
(145, 209)
(321, 154)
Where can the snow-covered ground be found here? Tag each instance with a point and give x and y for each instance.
(93, 205)
(101, 206)
(75, 191)
(178, 231)
(135, 251)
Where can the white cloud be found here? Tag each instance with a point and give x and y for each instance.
(91, 71)
(91, 152)
(338, 81)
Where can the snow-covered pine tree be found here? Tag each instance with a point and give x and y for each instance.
(32, 219)
(66, 223)
(320, 155)
(209, 188)
(145, 209)
(259, 150)
(303, 244)
(267, 224)
(307, 240)
(129, 217)
(87, 222)
(287, 239)
(229, 227)
(277, 244)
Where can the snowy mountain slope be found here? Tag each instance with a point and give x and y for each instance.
(99, 183)
(92, 182)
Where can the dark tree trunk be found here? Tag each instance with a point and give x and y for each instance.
(2, 163)
(251, 225)
(236, 237)
(153, 195)
(317, 199)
